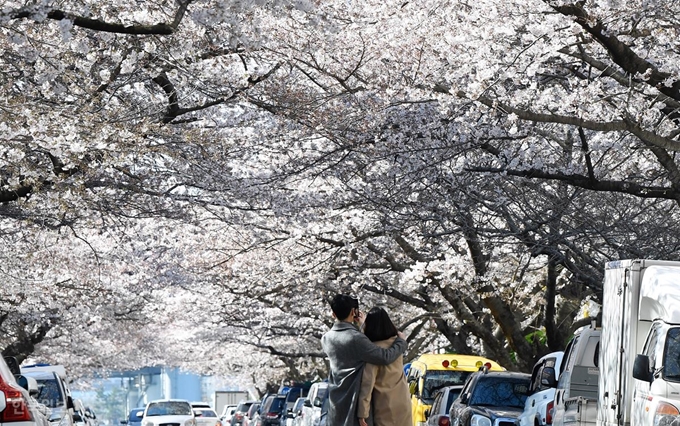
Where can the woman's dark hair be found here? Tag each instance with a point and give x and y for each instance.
(378, 325)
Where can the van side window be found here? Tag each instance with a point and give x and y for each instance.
(570, 355)
(650, 345)
(591, 352)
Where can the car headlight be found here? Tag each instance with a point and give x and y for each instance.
(479, 420)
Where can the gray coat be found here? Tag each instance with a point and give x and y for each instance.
(348, 351)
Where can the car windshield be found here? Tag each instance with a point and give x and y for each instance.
(168, 408)
(500, 392)
(293, 394)
(49, 393)
(671, 356)
(453, 394)
(435, 380)
(204, 413)
(133, 417)
(244, 406)
(277, 406)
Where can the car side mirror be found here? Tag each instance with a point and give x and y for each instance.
(413, 387)
(317, 402)
(307, 403)
(464, 398)
(548, 377)
(427, 413)
(69, 403)
(13, 365)
(28, 383)
(641, 369)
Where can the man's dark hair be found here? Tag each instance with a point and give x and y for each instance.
(342, 305)
(378, 325)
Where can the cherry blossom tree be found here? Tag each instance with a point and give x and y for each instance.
(204, 175)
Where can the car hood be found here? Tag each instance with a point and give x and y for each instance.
(495, 412)
(157, 420)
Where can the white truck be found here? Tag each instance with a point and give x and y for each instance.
(223, 398)
(640, 344)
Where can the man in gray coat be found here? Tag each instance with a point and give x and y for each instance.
(348, 350)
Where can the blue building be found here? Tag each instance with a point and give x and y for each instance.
(150, 383)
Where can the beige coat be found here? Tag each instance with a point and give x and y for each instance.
(385, 387)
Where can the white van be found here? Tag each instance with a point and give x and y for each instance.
(538, 408)
(311, 410)
(53, 391)
(577, 388)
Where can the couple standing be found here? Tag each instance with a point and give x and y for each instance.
(366, 384)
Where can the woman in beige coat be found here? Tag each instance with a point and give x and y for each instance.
(383, 387)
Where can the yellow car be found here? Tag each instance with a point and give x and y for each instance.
(433, 371)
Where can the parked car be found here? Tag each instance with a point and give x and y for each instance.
(271, 412)
(323, 413)
(53, 391)
(201, 404)
(164, 411)
(227, 413)
(311, 410)
(134, 417)
(250, 418)
(241, 410)
(206, 417)
(576, 396)
(294, 416)
(430, 372)
(540, 403)
(293, 394)
(490, 398)
(79, 417)
(438, 415)
(18, 408)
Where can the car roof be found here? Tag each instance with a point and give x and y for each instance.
(508, 374)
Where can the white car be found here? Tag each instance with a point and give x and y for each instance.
(539, 405)
(228, 411)
(206, 417)
(17, 407)
(164, 411)
(438, 414)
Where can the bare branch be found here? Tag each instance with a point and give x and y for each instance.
(99, 25)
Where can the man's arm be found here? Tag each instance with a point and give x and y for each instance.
(366, 390)
(371, 353)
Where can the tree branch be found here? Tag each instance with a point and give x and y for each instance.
(585, 182)
(99, 25)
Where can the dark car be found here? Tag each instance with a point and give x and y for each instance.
(490, 398)
(241, 410)
(272, 411)
(134, 417)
